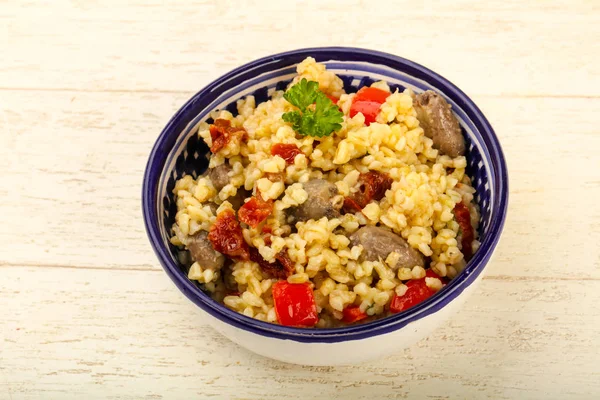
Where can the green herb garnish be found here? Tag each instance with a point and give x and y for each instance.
(319, 120)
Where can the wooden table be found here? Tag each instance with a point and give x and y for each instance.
(86, 311)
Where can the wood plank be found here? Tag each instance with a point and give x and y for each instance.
(131, 335)
(85, 88)
(82, 155)
(510, 47)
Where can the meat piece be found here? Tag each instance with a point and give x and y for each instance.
(213, 207)
(219, 176)
(378, 243)
(319, 203)
(203, 252)
(231, 285)
(439, 123)
(238, 200)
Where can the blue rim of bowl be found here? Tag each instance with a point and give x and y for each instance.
(354, 332)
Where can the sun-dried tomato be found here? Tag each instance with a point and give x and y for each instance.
(285, 261)
(463, 217)
(222, 133)
(268, 240)
(255, 210)
(373, 186)
(286, 151)
(267, 229)
(274, 270)
(227, 238)
(351, 206)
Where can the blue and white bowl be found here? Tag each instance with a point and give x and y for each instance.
(178, 152)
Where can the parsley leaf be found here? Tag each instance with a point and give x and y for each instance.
(294, 118)
(319, 120)
(302, 94)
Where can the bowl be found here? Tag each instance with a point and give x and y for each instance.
(178, 151)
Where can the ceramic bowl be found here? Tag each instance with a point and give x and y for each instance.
(178, 151)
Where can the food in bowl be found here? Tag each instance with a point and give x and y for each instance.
(322, 208)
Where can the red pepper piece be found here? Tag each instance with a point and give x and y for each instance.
(255, 211)
(367, 101)
(295, 304)
(286, 151)
(463, 217)
(353, 314)
(227, 238)
(332, 98)
(417, 292)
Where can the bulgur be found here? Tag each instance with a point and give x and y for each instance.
(289, 241)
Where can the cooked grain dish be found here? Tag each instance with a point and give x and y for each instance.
(322, 208)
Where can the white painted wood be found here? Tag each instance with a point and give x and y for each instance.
(513, 46)
(130, 333)
(85, 87)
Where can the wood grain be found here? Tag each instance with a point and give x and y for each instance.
(85, 88)
(510, 47)
(93, 148)
(130, 335)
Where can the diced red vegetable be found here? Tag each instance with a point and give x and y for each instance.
(227, 238)
(373, 186)
(268, 240)
(367, 101)
(255, 211)
(267, 229)
(295, 304)
(272, 269)
(351, 206)
(372, 94)
(286, 151)
(332, 98)
(429, 273)
(279, 270)
(285, 261)
(417, 292)
(222, 133)
(353, 314)
(463, 217)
